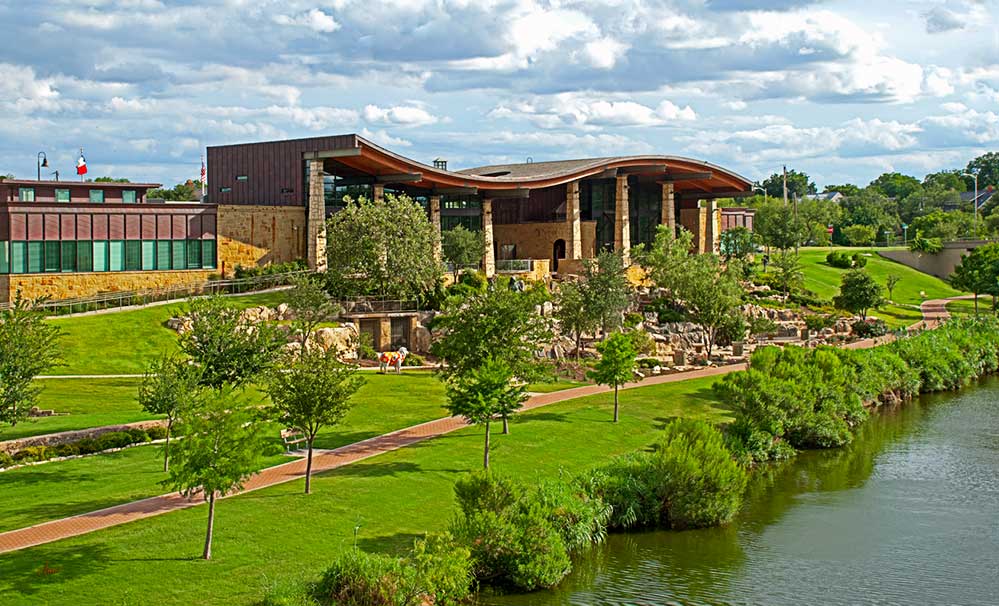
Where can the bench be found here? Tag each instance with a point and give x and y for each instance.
(292, 437)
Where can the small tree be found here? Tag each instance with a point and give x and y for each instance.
(482, 393)
(311, 305)
(667, 259)
(788, 272)
(226, 346)
(28, 347)
(606, 289)
(616, 365)
(221, 445)
(978, 272)
(891, 281)
(310, 392)
(858, 292)
(859, 235)
(711, 293)
(462, 247)
(736, 243)
(170, 386)
(572, 313)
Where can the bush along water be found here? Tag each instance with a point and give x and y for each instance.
(795, 398)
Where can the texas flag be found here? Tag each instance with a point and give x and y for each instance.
(81, 165)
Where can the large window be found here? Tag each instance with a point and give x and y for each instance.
(133, 255)
(179, 255)
(149, 255)
(18, 257)
(68, 253)
(128, 196)
(100, 255)
(97, 196)
(84, 256)
(194, 254)
(51, 262)
(62, 195)
(116, 255)
(208, 254)
(163, 256)
(67, 256)
(4, 257)
(26, 194)
(36, 256)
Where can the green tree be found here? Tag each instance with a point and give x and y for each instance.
(891, 281)
(847, 189)
(777, 226)
(711, 294)
(788, 271)
(482, 393)
(858, 293)
(606, 289)
(922, 244)
(170, 386)
(944, 225)
(462, 247)
(189, 191)
(310, 304)
(927, 200)
(978, 273)
(28, 347)
(311, 391)
(220, 450)
(896, 185)
(665, 261)
(572, 313)
(986, 167)
(110, 180)
(499, 324)
(872, 208)
(226, 346)
(859, 235)
(797, 183)
(383, 248)
(737, 243)
(946, 179)
(616, 365)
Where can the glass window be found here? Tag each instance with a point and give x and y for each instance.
(97, 196)
(194, 254)
(84, 256)
(148, 255)
(133, 255)
(36, 254)
(128, 196)
(26, 194)
(68, 253)
(242, 178)
(100, 255)
(62, 195)
(116, 255)
(208, 254)
(225, 190)
(51, 256)
(179, 254)
(4, 257)
(163, 257)
(18, 257)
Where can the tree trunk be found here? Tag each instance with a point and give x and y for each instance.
(308, 470)
(485, 458)
(211, 527)
(506, 425)
(579, 344)
(166, 450)
(616, 416)
(976, 303)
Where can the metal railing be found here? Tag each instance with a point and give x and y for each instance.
(365, 305)
(153, 295)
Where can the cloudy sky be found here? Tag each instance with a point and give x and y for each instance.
(844, 89)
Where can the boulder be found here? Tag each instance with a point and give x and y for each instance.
(282, 312)
(420, 340)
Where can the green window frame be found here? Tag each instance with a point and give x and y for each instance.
(133, 255)
(84, 256)
(62, 195)
(18, 257)
(36, 257)
(128, 196)
(26, 194)
(100, 257)
(208, 254)
(163, 257)
(194, 254)
(179, 254)
(97, 196)
(148, 255)
(67, 256)
(52, 256)
(4, 257)
(116, 255)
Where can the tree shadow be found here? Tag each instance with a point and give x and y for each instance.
(551, 417)
(373, 469)
(27, 572)
(398, 543)
(332, 440)
(45, 512)
(46, 473)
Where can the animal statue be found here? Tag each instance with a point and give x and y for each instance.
(392, 359)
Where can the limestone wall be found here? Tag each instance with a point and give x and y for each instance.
(260, 235)
(536, 240)
(58, 286)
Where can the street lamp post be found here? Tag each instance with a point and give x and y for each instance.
(887, 234)
(905, 234)
(41, 162)
(975, 201)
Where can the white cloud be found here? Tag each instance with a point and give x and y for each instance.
(381, 137)
(604, 53)
(582, 111)
(315, 19)
(401, 115)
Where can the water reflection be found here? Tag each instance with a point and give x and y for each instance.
(906, 514)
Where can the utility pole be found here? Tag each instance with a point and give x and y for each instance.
(785, 185)
(797, 226)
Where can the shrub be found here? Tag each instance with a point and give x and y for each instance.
(414, 359)
(6, 460)
(633, 319)
(156, 432)
(443, 570)
(648, 363)
(270, 269)
(113, 439)
(366, 347)
(66, 450)
(87, 446)
(33, 453)
(289, 593)
(816, 322)
(840, 259)
(642, 342)
(872, 327)
(137, 435)
(859, 260)
(762, 326)
(361, 579)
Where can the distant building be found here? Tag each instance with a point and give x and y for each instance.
(984, 196)
(829, 196)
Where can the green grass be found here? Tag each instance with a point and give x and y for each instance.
(554, 386)
(279, 533)
(966, 307)
(125, 342)
(824, 280)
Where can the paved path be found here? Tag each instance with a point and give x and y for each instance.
(933, 311)
(324, 461)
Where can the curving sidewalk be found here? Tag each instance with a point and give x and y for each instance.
(935, 310)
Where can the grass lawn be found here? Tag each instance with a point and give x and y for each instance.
(966, 307)
(125, 342)
(278, 533)
(824, 280)
(54, 490)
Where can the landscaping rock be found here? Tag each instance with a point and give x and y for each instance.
(421, 339)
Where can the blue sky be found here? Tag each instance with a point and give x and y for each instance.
(844, 89)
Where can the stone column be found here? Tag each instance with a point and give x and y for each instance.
(712, 227)
(384, 334)
(378, 192)
(489, 257)
(435, 220)
(315, 218)
(668, 207)
(575, 243)
(622, 219)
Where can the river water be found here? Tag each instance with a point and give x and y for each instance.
(907, 514)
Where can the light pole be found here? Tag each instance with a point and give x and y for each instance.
(905, 234)
(975, 201)
(887, 234)
(41, 162)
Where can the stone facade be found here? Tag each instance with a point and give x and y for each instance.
(695, 221)
(260, 235)
(574, 243)
(537, 240)
(315, 244)
(489, 261)
(622, 219)
(668, 208)
(58, 286)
